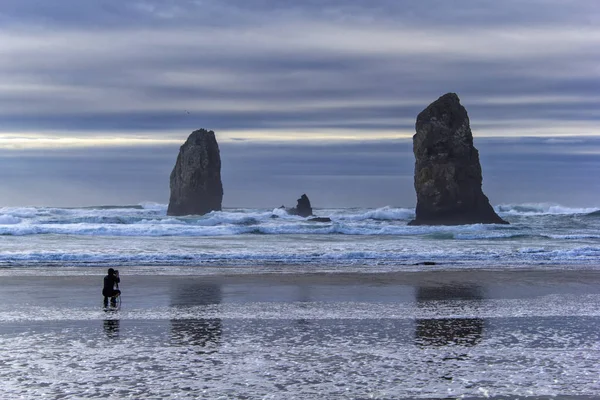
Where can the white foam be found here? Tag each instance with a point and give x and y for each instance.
(532, 250)
(380, 214)
(574, 236)
(154, 206)
(21, 212)
(9, 220)
(147, 235)
(280, 212)
(540, 209)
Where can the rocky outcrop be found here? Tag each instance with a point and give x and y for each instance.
(320, 219)
(303, 207)
(195, 182)
(447, 171)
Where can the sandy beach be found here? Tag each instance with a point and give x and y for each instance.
(431, 334)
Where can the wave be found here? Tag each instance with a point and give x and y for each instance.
(522, 256)
(539, 234)
(125, 207)
(386, 213)
(380, 214)
(251, 226)
(9, 220)
(148, 205)
(541, 209)
(196, 260)
(150, 219)
(573, 236)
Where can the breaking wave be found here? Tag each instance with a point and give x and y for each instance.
(542, 208)
(145, 235)
(150, 219)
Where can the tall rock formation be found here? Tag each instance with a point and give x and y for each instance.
(195, 182)
(447, 170)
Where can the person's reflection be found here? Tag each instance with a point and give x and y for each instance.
(111, 328)
(203, 333)
(448, 331)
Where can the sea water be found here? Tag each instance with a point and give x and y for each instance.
(355, 239)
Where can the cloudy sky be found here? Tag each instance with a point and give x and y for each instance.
(316, 97)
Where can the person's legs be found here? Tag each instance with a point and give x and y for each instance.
(105, 301)
(113, 299)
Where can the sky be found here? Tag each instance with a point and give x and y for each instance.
(316, 97)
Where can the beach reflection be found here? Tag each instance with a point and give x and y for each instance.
(111, 328)
(448, 331)
(202, 333)
(205, 333)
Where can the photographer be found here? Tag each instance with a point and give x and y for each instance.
(111, 287)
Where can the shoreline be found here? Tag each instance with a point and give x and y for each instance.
(286, 274)
(295, 269)
(143, 290)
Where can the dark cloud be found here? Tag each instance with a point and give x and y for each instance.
(438, 12)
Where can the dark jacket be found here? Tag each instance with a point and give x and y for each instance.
(109, 284)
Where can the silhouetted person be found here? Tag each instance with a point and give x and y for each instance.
(111, 287)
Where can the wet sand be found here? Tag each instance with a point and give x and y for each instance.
(431, 334)
(140, 290)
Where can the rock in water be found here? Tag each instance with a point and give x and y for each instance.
(303, 207)
(320, 219)
(447, 170)
(195, 182)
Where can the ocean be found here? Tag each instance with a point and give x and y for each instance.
(356, 239)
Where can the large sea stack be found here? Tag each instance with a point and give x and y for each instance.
(195, 182)
(447, 170)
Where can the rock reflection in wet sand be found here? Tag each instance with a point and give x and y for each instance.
(448, 331)
(203, 334)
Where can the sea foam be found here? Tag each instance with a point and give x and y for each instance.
(145, 235)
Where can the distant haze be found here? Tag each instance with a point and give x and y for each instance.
(267, 175)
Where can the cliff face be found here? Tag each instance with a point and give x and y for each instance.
(195, 181)
(447, 170)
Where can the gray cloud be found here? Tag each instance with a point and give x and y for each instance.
(166, 67)
(279, 81)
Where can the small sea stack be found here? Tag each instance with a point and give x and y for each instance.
(195, 182)
(447, 170)
(303, 208)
